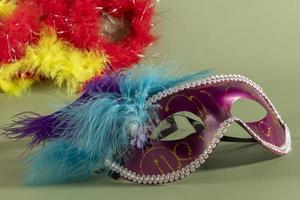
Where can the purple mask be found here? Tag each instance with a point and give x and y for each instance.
(114, 124)
(210, 99)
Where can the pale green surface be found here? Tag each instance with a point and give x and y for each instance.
(257, 38)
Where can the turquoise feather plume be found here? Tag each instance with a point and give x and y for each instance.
(58, 161)
(102, 126)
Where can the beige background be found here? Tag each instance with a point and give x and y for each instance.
(257, 38)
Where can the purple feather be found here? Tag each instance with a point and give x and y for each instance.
(29, 124)
(103, 84)
(41, 128)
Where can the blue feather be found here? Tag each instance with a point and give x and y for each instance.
(100, 127)
(58, 161)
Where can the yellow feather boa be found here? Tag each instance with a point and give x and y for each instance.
(16, 87)
(53, 59)
(7, 7)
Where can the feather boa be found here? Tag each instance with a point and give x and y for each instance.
(55, 60)
(7, 7)
(77, 23)
(18, 30)
(80, 22)
(108, 118)
(15, 87)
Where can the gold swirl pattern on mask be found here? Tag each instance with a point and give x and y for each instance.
(201, 110)
(189, 148)
(172, 154)
(156, 161)
(267, 132)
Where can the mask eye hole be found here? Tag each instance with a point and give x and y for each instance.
(248, 110)
(177, 126)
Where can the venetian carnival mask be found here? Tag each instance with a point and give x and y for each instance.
(113, 126)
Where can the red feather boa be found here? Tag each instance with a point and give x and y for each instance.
(79, 22)
(18, 30)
